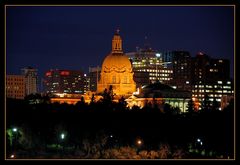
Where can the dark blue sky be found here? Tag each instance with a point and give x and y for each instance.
(78, 37)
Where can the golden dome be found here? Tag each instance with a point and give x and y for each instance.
(116, 62)
(117, 70)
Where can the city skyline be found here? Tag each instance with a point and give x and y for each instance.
(120, 82)
(70, 37)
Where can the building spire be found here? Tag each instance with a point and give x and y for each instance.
(117, 43)
(117, 31)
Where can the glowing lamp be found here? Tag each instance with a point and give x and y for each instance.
(158, 54)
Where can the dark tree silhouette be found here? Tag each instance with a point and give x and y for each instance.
(190, 106)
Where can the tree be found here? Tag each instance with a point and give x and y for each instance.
(167, 108)
(215, 105)
(190, 106)
(81, 105)
(176, 110)
(122, 104)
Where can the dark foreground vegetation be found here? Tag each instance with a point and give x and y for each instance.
(108, 130)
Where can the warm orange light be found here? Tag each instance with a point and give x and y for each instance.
(196, 103)
(139, 142)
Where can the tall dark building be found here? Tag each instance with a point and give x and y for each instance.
(65, 81)
(210, 78)
(94, 76)
(31, 80)
(181, 64)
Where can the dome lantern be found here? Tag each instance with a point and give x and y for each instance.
(117, 43)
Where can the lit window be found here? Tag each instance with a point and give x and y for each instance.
(229, 82)
(219, 82)
(125, 79)
(114, 79)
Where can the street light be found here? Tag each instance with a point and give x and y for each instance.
(14, 129)
(12, 156)
(139, 142)
(62, 136)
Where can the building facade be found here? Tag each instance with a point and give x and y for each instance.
(210, 79)
(181, 65)
(31, 80)
(15, 86)
(94, 76)
(117, 71)
(150, 61)
(65, 81)
(157, 94)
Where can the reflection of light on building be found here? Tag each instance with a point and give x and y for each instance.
(116, 71)
(74, 98)
(196, 103)
(137, 92)
(15, 86)
(157, 94)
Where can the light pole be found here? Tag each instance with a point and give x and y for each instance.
(62, 138)
(15, 136)
(139, 143)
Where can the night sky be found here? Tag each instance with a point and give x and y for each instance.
(80, 37)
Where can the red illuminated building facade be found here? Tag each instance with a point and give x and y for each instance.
(64, 81)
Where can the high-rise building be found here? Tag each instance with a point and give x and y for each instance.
(65, 81)
(210, 79)
(30, 80)
(150, 61)
(181, 65)
(15, 86)
(94, 76)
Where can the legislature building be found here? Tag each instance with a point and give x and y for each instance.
(117, 71)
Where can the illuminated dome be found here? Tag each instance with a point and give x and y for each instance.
(117, 70)
(118, 63)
